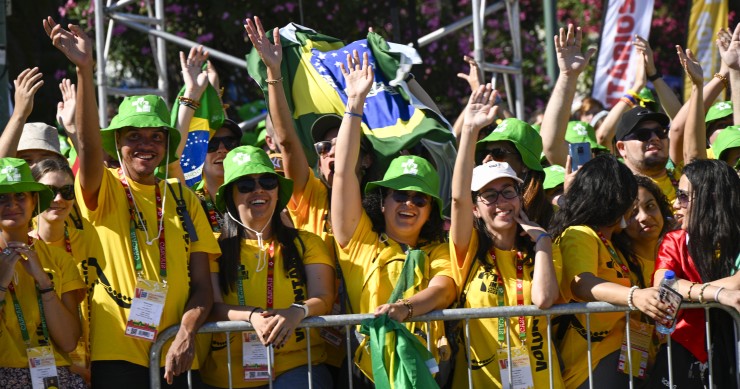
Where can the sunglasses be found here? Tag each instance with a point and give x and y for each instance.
(419, 199)
(324, 147)
(644, 134)
(67, 191)
(229, 142)
(683, 197)
(496, 153)
(491, 196)
(249, 184)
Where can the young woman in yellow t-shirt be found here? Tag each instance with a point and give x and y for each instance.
(270, 275)
(39, 288)
(595, 268)
(501, 258)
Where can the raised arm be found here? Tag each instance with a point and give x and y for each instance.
(473, 77)
(26, 85)
(695, 133)
(668, 99)
(66, 110)
(571, 62)
(729, 50)
(346, 209)
(78, 48)
(479, 113)
(295, 162)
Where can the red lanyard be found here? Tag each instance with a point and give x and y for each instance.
(519, 294)
(134, 240)
(67, 243)
(613, 253)
(270, 274)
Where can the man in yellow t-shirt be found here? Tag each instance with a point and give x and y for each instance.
(150, 230)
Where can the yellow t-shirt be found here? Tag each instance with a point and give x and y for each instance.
(480, 291)
(62, 271)
(117, 282)
(669, 183)
(287, 290)
(710, 153)
(586, 253)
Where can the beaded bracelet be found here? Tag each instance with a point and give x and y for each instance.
(273, 82)
(689, 294)
(723, 79)
(701, 293)
(629, 297)
(408, 306)
(188, 102)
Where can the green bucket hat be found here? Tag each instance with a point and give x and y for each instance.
(526, 140)
(246, 160)
(554, 176)
(16, 177)
(718, 110)
(148, 111)
(727, 139)
(410, 172)
(580, 132)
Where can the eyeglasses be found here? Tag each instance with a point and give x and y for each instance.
(491, 196)
(324, 147)
(229, 142)
(683, 197)
(496, 153)
(419, 199)
(67, 191)
(249, 184)
(644, 134)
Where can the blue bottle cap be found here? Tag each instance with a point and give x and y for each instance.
(669, 275)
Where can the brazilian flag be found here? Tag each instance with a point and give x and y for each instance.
(393, 118)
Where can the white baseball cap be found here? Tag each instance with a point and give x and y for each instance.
(489, 171)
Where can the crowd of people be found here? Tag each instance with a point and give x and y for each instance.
(95, 263)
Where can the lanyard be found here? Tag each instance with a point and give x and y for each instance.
(211, 209)
(22, 320)
(270, 279)
(613, 253)
(67, 243)
(519, 295)
(138, 266)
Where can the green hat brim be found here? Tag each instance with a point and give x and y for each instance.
(285, 187)
(407, 183)
(45, 194)
(530, 160)
(149, 121)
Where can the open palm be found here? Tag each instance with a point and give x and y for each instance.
(74, 43)
(568, 50)
(271, 53)
(730, 50)
(481, 110)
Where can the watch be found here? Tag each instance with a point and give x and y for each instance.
(304, 307)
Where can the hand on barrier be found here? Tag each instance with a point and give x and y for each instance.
(396, 311)
(730, 298)
(647, 300)
(281, 324)
(180, 355)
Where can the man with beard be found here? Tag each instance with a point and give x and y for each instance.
(642, 141)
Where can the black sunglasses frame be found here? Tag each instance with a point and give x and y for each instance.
(249, 184)
(67, 191)
(644, 134)
(420, 200)
(229, 142)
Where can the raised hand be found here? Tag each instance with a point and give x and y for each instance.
(691, 65)
(571, 60)
(481, 110)
(66, 107)
(474, 76)
(271, 53)
(359, 77)
(729, 50)
(193, 75)
(724, 37)
(643, 48)
(26, 86)
(530, 228)
(74, 43)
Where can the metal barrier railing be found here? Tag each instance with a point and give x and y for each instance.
(465, 314)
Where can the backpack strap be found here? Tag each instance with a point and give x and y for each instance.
(182, 212)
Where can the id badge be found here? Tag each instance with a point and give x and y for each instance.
(333, 335)
(254, 357)
(43, 367)
(146, 310)
(640, 337)
(521, 371)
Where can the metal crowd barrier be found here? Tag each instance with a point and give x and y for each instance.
(464, 314)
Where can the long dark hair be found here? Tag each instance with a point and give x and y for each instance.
(537, 206)
(431, 231)
(230, 243)
(713, 219)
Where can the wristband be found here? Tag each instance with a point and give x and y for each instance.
(350, 113)
(542, 235)
(629, 297)
(3, 289)
(188, 101)
(627, 100)
(47, 290)
(252, 313)
(701, 293)
(273, 82)
(716, 294)
(654, 77)
(634, 95)
(304, 307)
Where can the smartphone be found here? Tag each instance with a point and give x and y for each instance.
(580, 153)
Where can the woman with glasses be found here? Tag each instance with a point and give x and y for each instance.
(396, 231)
(499, 258)
(40, 289)
(61, 226)
(269, 275)
(704, 255)
(600, 199)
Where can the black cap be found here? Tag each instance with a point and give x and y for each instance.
(233, 127)
(637, 115)
(323, 124)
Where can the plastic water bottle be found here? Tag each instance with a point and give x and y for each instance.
(669, 282)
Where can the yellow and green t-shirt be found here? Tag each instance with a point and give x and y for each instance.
(116, 283)
(480, 291)
(287, 290)
(669, 182)
(586, 253)
(63, 272)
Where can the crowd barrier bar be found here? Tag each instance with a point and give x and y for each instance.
(465, 314)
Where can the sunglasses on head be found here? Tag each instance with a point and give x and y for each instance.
(418, 199)
(644, 134)
(67, 191)
(249, 184)
(496, 153)
(323, 147)
(229, 142)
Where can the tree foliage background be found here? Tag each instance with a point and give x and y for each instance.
(219, 24)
